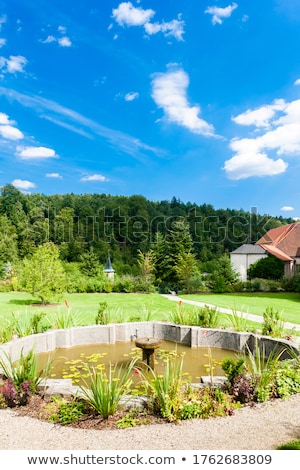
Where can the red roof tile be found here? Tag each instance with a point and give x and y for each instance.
(283, 242)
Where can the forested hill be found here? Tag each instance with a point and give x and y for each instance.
(119, 225)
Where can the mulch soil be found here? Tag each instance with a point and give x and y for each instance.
(40, 408)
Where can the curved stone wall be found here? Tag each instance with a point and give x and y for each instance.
(109, 334)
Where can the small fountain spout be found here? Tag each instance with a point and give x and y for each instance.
(134, 336)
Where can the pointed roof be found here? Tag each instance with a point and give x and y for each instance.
(108, 266)
(248, 249)
(282, 242)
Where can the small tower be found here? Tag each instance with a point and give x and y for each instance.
(109, 270)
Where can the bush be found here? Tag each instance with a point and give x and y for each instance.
(273, 324)
(16, 395)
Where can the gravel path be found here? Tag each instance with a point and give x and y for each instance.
(263, 427)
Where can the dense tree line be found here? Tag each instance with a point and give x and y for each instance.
(85, 228)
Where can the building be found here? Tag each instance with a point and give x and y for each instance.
(282, 242)
(244, 256)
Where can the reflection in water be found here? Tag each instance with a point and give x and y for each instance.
(72, 362)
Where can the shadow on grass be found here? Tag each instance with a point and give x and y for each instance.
(24, 301)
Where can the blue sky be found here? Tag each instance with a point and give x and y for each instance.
(195, 99)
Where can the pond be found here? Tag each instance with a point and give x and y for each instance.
(72, 362)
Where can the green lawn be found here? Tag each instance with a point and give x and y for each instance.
(288, 304)
(148, 306)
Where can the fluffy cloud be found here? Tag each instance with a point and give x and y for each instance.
(11, 133)
(15, 63)
(128, 15)
(95, 177)
(169, 93)
(33, 153)
(245, 165)
(23, 184)
(287, 208)
(218, 14)
(277, 130)
(7, 129)
(63, 40)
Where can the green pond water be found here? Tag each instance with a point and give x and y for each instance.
(72, 362)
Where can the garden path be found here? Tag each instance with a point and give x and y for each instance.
(248, 316)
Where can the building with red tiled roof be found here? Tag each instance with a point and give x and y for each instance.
(284, 243)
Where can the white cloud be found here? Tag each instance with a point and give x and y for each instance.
(297, 82)
(95, 177)
(218, 14)
(278, 128)
(4, 119)
(260, 117)
(171, 28)
(169, 93)
(49, 39)
(80, 124)
(11, 133)
(31, 153)
(53, 175)
(64, 41)
(23, 184)
(287, 208)
(2, 42)
(128, 15)
(133, 95)
(62, 29)
(7, 130)
(245, 165)
(13, 64)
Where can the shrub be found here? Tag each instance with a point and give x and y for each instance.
(103, 389)
(26, 369)
(233, 368)
(244, 387)
(166, 389)
(16, 395)
(205, 317)
(102, 316)
(273, 324)
(67, 412)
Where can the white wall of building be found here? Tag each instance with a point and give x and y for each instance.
(242, 261)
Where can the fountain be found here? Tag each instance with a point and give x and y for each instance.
(148, 340)
(148, 346)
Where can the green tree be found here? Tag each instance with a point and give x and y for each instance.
(43, 274)
(267, 268)
(146, 265)
(224, 275)
(90, 263)
(176, 242)
(186, 269)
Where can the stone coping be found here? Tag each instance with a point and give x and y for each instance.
(109, 334)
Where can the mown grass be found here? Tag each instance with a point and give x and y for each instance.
(142, 307)
(128, 306)
(287, 303)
